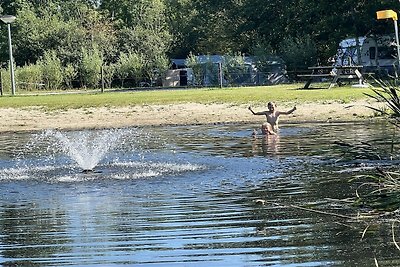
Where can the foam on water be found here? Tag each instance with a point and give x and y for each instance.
(117, 170)
(55, 156)
(87, 148)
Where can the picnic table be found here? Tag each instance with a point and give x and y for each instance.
(333, 73)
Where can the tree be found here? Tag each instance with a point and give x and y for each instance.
(207, 27)
(159, 29)
(298, 53)
(62, 26)
(90, 66)
(129, 65)
(143, 30)
(179, 14)
(108, 74)
(69, 73)
(29, 77)
(51, 69)
(88, 27)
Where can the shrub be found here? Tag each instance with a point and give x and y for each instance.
(129, 65)
(51, 69)
(5, 80)
(70, 74)
(153, 69)
(192, 62)
(108, 74)
(204, 69)
(90, 67)
(29, 77)
(234, 68)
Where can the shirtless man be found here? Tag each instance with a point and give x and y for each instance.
(271, 126)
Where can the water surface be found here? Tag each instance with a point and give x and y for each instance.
(193, 196)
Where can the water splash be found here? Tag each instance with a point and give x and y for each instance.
(94, 155)
(87, 148)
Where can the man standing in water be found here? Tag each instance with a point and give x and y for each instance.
(271, 126)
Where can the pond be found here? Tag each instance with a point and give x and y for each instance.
(207, 195)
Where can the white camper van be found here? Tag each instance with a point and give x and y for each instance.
(375, 53)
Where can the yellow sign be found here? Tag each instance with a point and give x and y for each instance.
(386, 14)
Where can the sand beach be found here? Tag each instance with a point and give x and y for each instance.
(37, 118)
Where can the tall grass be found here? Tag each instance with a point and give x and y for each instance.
(383, 191)
(388, 92)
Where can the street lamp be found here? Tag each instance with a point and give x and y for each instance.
(8, 19)
(390, 14)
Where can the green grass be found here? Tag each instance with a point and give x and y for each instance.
(236, 95)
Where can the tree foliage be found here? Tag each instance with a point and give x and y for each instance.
(129, 66)
(301, 31)
(90, 66)
(51, 69)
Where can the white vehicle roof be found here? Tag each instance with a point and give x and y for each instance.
(351, 42)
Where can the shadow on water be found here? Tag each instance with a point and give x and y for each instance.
(199, 195)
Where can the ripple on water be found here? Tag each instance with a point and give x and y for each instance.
(188, 198)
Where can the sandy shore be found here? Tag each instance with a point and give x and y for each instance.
(36, 118)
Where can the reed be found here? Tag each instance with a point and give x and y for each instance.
(381, 190)
(388, 92)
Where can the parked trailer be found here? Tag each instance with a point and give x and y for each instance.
(377, 54)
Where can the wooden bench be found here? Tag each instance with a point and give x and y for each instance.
(335, 73)
(316, 75)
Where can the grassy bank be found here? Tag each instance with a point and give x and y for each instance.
(236, 95)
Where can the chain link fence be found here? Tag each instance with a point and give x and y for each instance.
(216, 76)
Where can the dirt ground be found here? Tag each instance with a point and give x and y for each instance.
(36, 118)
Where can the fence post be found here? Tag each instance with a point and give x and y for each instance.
(102, 79)
(220, 74)
(1, 84)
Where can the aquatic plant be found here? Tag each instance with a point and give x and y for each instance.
(388, 92)
(383, 186)
(382, 191)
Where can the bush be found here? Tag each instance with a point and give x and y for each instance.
(52, 71)
(5, 80)
(154, 68)
(192, 62)
(29, 77)
(234, 69)
(129, 65)
(108, 74)
(90, 67)
(204, 69)
(70, 74)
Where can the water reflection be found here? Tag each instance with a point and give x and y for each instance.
(269, 145)
(201, 205)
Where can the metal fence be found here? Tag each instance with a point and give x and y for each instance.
(174, 78)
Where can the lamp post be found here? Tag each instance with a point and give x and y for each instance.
(390, 14)
(8, 19)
